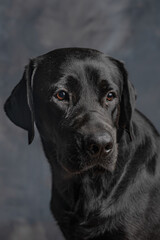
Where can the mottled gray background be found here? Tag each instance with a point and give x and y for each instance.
(126, 29)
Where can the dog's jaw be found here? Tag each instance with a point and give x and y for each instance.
(97, 166)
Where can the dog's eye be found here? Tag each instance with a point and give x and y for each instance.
(62, 95)
(110, 96)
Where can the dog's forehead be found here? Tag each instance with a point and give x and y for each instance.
(80, 63)
(91, 69)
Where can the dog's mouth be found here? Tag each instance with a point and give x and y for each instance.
(95, 169)
(82, 164)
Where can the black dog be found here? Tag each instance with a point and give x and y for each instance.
(104, 154)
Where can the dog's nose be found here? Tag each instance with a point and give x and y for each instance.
(100, 145)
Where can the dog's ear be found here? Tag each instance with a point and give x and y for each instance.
(19, 105)
(127, 103)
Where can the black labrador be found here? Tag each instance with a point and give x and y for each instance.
(104, 154)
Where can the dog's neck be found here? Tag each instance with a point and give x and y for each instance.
(80, 198)
(83, 187)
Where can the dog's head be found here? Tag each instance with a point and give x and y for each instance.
(80, 100)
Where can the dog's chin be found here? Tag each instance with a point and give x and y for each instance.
(98, 167)
(94, 168)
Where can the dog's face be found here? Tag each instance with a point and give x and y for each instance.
(79, 99)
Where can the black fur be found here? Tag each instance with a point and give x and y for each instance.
(95, 194)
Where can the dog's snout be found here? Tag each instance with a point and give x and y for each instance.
(99, 145)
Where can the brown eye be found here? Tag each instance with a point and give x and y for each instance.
(62, 95)
(110, 96)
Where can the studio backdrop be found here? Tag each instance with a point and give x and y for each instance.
(127, 30)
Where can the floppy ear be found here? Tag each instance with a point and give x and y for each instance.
(127, 104)
(19, 105)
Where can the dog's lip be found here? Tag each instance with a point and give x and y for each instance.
(100, 165)
(98, 168)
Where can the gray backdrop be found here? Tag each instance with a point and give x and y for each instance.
(128, 30)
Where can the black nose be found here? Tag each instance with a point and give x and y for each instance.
(99, 145)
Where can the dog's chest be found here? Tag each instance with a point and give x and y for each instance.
(93, 195)
(89, 218)
(91, 201)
